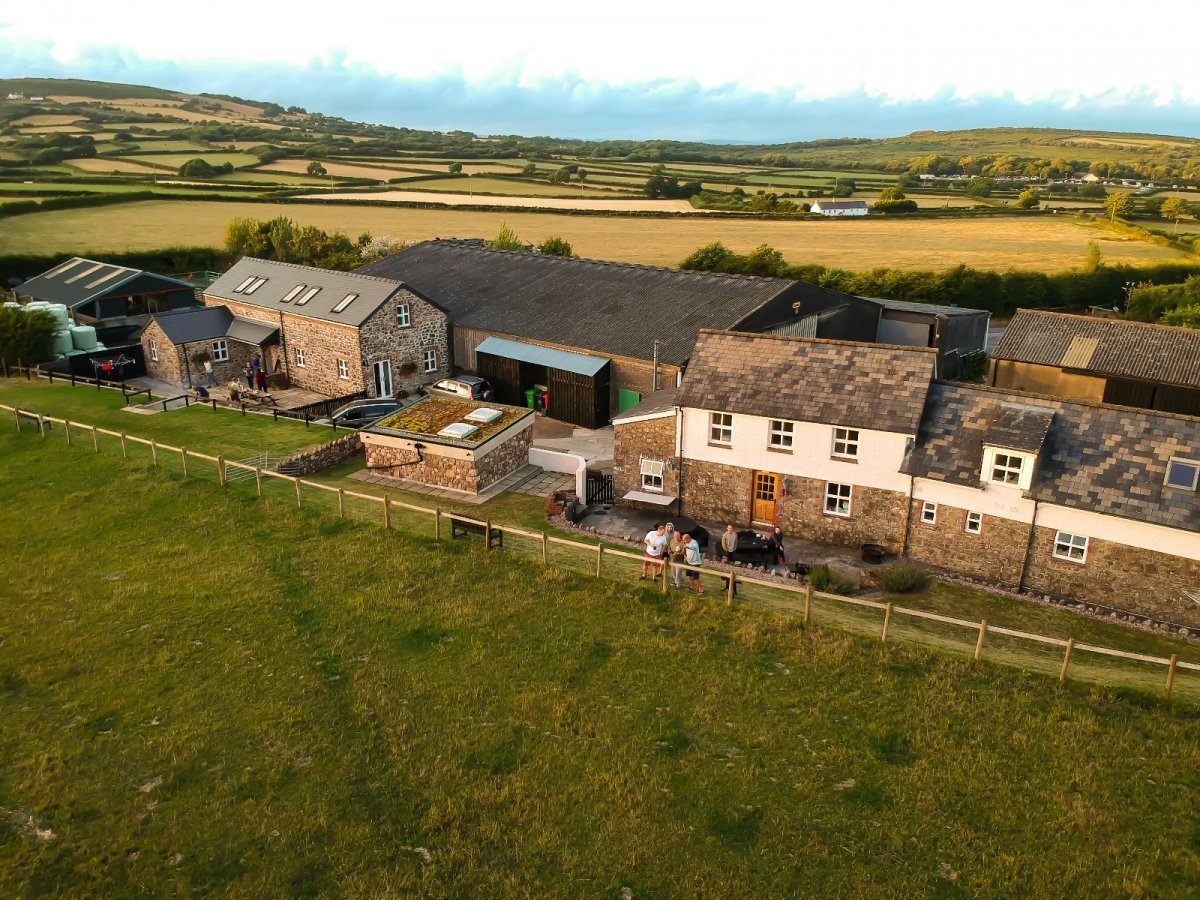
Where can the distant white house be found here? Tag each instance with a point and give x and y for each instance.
(16, 95)
(840, 207)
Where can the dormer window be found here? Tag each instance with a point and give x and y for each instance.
(1183, 474)
(1006, 469)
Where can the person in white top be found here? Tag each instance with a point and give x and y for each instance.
(656, 544)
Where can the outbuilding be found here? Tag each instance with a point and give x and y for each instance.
(840, 207)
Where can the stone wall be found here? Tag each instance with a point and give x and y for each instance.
(382, 339)
(432, 468)
(713, 492)
(169, 366)
(505, 459)
(1116, 575)
(652, 439)
(324, 457)
(175, 363)
(876, 516)
(995, 555)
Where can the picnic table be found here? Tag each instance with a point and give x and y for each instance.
(260, 398)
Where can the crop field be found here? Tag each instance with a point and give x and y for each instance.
(337, 169)
(326, 708)
(52, 129)
(1046, 243)
(175, 160)
(104, 165)
(482, 184)
(45, 119)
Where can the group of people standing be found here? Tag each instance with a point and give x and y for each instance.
(683, 550)
(255, 376)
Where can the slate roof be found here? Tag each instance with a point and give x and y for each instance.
(187, 325)
(869, 386)
(283, 278)
(1105, 459)
(659, 403)
(1018, 426)
(80, 280)
(611, 308)
(1112, 347)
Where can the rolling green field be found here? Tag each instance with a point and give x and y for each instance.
(260, 701)
(1046, 243)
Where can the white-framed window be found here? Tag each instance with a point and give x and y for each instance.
(974, 523)
(652, 475)
(343, 370)
(154, 351)
(837, 499)
(720, 428)
(845, 443)
(1070, 546)
(929, 513)
(220, 351)
(1006, 469)
(404, 315)
(781, 435)
(1183, 473)
(428, 360)
(299, 354)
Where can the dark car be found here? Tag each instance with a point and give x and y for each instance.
(363, 412)
(469, 387)
(684, 525)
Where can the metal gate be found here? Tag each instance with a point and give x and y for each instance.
(599, 488)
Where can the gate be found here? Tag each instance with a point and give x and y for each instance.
(599, 488)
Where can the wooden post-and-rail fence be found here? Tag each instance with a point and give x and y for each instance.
(543, 544)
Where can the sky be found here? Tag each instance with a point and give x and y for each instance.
(767, 72)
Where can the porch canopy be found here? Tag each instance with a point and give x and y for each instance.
(549, 357)
(647, 497)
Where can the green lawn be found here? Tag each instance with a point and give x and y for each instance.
(207, 693)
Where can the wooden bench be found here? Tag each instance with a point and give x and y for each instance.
(464, 527)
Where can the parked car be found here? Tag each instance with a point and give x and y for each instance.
(469, 387)
(363, 412)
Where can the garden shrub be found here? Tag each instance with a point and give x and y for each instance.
(823, 578)
(904, 579)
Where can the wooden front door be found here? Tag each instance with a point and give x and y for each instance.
(766, 492)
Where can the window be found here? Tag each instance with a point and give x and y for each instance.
(1006, 469)
(254, 286)
(929, 513)
(845, 443)
(781, 435)
(343, 370)
(299, 356)
(1183, 473)
(220, 351)
(429, 361)
(974, 523)
(291, 295)
(308, 295)
(837, 499)
(245, 284)
(720, 428)
(652, 475)
(346, 301)
(1070, 546)
(403, 315)
(154, 351)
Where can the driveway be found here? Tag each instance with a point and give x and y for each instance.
(596, 446)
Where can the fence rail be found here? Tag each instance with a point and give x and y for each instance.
(728, 579)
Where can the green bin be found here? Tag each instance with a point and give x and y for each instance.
(531, 398)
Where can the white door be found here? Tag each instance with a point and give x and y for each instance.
(383, 379)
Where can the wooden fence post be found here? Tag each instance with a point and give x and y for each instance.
(545, 550)
(979, 642)
(221, 471)
(807, 603)
(41, 425)
(666, 568)
(67, 430)
(341, 503)
(887, 621)
(729, 589)
(124, 452)
(183, 460)
(1062, 675)
(1171, 675)
(487, 536)
(599, 558)
(437, 523)
(154, 452)
(95, 439)
(17, 418)
(387, 511)
(299, 502)
(258, 480)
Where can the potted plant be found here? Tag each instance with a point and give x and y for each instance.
(408, 367)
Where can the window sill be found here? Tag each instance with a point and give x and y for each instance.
(845, 459)
(787, 450)
(1078, 562)
(719, 444)
(840, 515)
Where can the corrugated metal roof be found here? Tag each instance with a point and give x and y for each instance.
(543, 356)
(289, 288)
(1123, 349)
(80, 280)
(809, 380)
(615, 309)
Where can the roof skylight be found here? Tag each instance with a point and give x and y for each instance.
(291, 295)
(344, 302)
(308, 295)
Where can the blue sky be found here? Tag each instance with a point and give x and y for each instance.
(777, 72)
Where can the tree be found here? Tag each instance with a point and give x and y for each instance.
(529, 170)
(763, 260)
(582, 174)
(1028, 199)
(887, 195)
(506, 239)
(376, 248)
(316, 169)
(555, 246)
(709, 258)
(1117, 204)
(980, 187)
(455, 168)
(27, 336)
(1092, 262)
(1093, 191)
(560, 176)
(1172, 210)
(1186, 316)
(197, 168)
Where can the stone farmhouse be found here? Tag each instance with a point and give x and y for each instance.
(853, 444)
(1100, 360)
(335, 333)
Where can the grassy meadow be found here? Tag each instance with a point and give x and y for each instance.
(1045, 243)
(260, 701)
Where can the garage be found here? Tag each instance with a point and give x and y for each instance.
(574, 387)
